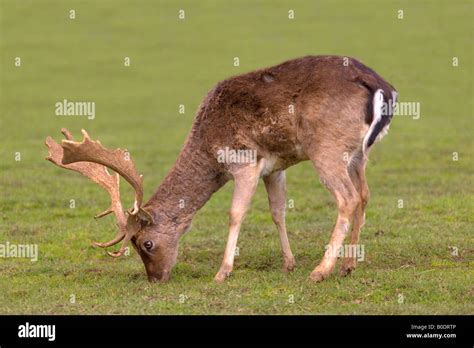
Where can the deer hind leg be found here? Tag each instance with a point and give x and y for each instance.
(357, 174)
(335, 177)
(275, 185)
(246, 180)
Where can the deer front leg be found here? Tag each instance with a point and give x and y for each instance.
(246, 180)
(275, 185)
(337, 180)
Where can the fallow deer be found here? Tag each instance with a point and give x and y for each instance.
(325, 109)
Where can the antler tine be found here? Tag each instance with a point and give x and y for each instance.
(100, 175)
(67, 134)
(119, 160)
(131, 229)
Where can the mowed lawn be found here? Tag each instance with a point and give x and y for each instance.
(418, 239)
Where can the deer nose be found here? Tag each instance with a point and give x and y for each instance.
(163, 276)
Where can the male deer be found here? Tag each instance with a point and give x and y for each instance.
(325, 109)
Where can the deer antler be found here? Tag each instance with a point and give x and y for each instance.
(119, 160)
(91, 159)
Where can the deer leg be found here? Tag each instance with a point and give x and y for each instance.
(358, 178)
(275, 185)
(336, 178)
(246, 180)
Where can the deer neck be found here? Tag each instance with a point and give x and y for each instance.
(188, 186)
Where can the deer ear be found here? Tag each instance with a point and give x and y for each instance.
(145, 217)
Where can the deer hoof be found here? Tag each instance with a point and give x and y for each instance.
(289, 265)
(317, 276)
(222, 275)
(346, 269)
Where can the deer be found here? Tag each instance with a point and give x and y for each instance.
(329, 110)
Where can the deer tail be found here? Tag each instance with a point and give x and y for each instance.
(382, 112)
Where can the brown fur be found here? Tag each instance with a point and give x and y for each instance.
(332, 103)
(251, 111)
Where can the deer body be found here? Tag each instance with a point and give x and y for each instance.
(315, 108)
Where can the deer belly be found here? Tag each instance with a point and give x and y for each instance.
(273, 163)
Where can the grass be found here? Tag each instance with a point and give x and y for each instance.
(409, 266)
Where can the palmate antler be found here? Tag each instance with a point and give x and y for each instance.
(91, 159)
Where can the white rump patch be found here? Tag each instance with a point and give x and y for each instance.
(377, 113)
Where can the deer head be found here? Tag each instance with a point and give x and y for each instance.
(158, 250)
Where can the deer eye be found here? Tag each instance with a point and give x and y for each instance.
(148, 245)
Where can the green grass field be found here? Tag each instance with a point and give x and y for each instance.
(411, 266)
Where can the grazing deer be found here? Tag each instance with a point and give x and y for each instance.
(325, 109)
